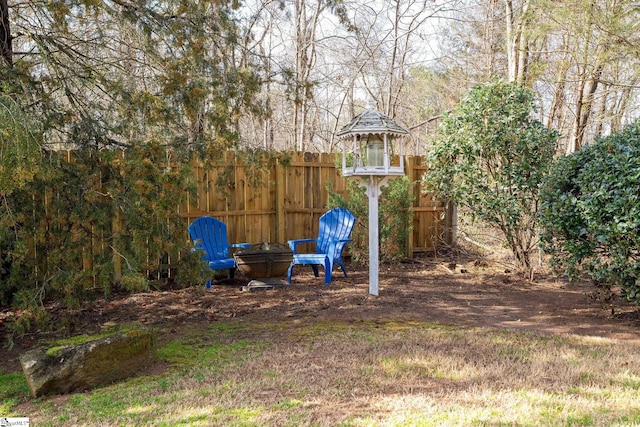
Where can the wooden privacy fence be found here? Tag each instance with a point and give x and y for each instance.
(290, 199)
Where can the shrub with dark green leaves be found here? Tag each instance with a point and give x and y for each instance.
(590, 213)
(356, 201)
(490, 157)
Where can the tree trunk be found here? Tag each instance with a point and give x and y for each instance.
(620, 106)
(584, 109)
(6, 48)
(516, 41)
(557, 110)
(305, 55)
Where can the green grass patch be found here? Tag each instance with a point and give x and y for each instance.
(189, 352)
(13, 388)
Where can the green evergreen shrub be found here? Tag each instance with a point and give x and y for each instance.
(396, 218)
(590, 213)
(490, 158)
(75, 223)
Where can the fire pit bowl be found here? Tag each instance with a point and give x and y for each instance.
(264, 260)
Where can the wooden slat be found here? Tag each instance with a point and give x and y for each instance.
(280, 197)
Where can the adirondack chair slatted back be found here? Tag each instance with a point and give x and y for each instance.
(336, 224)
(210, 235)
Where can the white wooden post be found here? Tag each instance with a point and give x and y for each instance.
(374, 189)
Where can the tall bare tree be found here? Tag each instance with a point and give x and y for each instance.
(586, 44)
(517, 41)
(571, 53)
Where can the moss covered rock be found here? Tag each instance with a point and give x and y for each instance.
(84, 362)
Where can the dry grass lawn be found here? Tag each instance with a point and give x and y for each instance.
(436, 348)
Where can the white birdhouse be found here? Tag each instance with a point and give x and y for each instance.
(372, 145)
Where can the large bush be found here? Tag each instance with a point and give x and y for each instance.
(92, 226)
(590, 213)
(490, 157)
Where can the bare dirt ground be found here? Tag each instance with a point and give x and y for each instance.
(465, 293)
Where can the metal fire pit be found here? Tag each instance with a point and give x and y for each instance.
(264, 263)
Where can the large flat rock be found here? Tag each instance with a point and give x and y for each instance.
(85, 362)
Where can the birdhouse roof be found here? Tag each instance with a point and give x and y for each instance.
(371, 121)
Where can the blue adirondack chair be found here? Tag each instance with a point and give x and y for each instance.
(333, 234)
(210, 235)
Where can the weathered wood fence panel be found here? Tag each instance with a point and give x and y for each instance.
(433, 222)
(290, 198)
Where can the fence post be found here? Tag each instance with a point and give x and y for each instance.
(452, 222)
(281, 213)
(409, 162)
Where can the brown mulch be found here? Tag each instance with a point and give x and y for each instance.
(468, 294)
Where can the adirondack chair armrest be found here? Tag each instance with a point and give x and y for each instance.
(293, 244)
(341, 240)
(333, 243)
